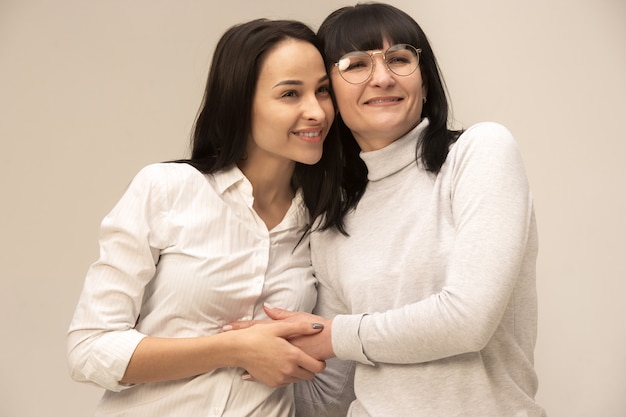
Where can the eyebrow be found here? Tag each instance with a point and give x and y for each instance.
(298, 82)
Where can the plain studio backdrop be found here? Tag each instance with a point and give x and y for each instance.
(91, 91)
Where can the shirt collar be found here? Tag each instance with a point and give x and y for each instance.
(232, 176)
(226, 178)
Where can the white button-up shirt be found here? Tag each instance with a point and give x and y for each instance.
(182, 254)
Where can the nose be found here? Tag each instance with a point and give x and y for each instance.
(313, 110)
(381, 75)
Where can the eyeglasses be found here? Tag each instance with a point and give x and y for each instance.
(357, 67)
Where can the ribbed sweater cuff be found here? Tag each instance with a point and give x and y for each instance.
(345, 338)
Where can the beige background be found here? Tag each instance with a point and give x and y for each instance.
(91, 91)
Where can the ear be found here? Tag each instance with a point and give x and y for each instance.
(424, 90)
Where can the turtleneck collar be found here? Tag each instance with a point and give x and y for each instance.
(394, 157)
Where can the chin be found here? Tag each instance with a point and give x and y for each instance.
(310, 159)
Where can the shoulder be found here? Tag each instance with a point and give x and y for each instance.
(487, 134)
(488, 138)
(171, 173)
(165, 182)
(488, 148)
(168, 169)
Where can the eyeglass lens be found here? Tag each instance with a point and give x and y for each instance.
(356, 67)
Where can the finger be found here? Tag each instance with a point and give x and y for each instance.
(299, 375)
(277, 313)
(310, 366)
(289, 330)
(302, 374)
(238, 325)
(296, 375)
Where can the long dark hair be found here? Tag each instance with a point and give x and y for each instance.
(224, 121)
(365, 27)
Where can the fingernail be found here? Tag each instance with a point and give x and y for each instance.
(317, 326)
(268, 305)
(227, 328)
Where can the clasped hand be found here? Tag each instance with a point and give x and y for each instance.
(301, 330)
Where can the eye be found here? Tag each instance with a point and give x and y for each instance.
(357, 63)
(324, 89)
(290, 93)
(399, 58)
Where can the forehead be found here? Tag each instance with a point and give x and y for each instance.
(292, 58)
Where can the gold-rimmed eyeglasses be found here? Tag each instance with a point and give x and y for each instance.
(356, 67)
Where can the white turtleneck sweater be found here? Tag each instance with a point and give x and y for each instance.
(433, 292)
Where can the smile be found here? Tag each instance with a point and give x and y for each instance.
(383, 100)
(308, 134)
(312, 136)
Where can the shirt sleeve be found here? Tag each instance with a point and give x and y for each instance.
(491, 207)
(102, 336)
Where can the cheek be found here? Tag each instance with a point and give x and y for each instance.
(346, 103)
(344, 95)
(350, 113)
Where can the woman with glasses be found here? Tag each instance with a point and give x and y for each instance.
(195, 244)
(427, 272)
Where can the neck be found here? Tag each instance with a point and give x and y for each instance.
(271, 188)
(369, 144)
(370, 141)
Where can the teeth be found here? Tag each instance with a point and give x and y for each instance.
(308, 134)
(383, 101)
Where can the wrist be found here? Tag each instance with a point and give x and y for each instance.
(328, 340)
(226, 349)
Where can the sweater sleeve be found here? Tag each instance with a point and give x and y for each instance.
(491, 208)
(102, 336)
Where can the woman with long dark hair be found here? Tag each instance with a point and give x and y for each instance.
(195, 244)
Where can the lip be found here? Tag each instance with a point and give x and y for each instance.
(312, 135)
(383, 101)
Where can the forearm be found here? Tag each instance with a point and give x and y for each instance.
(415, 333)
(263, 351)
(161, 359)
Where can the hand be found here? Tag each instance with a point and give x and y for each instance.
(318, 345)
(268, 357)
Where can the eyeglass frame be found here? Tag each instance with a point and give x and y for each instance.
(418, 51)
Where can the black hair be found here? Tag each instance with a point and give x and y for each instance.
(366, 26)
(224, 121)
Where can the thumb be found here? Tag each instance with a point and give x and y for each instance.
(276, 313)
